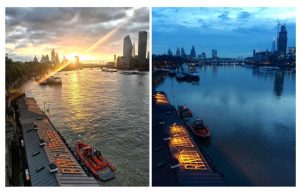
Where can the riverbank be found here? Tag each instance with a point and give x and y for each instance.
(176, 159)
(42, 148)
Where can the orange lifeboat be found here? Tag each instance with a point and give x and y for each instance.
(94, 161)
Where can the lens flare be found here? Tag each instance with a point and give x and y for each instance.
(130, 14)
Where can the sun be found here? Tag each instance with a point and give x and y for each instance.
(71, 57)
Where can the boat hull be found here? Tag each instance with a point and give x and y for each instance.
(204, 134)
(96, 164)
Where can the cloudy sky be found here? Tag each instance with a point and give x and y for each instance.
(95, 34)
(232, 31)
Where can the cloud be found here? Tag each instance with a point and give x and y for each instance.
(244, 15)
(224, 15)
(44, 28)
(232, 31)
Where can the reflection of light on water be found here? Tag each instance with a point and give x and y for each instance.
(75, 99)
(74, 89)
(253, 141)
(96, 107)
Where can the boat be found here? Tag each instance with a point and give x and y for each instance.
(191, 77)
(109, 70)
(184, 111)
(51, 81)
(172, 73)
(180, 76)
(132, 73)
(94, 161)
(199, 129)
(268, 68)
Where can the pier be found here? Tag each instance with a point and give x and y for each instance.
(49, 161)
(177, 161)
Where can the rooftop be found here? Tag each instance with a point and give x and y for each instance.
(184, 164)
(37, 129)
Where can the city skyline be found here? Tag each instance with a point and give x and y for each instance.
(95, 35)
(232, 32)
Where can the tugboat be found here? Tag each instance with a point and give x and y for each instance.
(184, 111)
(199, 129)
(94, 161)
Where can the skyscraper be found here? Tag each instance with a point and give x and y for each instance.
(56, 59)
(53, 56)
(183, 54)
(273, 45)
(170, 53)
(282, 40)
(214, 54)
(142, 49)
(133, 49)
(193, 52)
(127, 47)
(178, 52)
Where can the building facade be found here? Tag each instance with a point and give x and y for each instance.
(127, 47)
(282, 41)
(142, 49)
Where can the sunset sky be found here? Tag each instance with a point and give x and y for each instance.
(232, 31)
(94, 34)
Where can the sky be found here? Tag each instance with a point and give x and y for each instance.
(232, 31)
(94, 34)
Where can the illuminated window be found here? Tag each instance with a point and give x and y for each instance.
(191, 160)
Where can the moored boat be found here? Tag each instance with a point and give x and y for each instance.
(51, 81)
(184, 111)
(191, 77)
(199, 129)
(94, 161)
(109, 70)
(172, 73)
(180, 76)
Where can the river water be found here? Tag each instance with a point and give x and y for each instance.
(251, 115)
(109, 111)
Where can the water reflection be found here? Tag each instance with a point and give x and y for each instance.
(278, 77)
(108, 111)
(278, 83)
(214, 70)
(252, 132)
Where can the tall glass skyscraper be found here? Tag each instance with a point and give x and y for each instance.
(127, 47)
(282, 40)
(142, 49)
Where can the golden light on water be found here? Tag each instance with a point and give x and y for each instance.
(75, 95)
(57, 69)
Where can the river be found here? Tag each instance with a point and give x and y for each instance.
(251, 116)
(109, 111)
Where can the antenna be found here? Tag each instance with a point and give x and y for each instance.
(278, 25)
